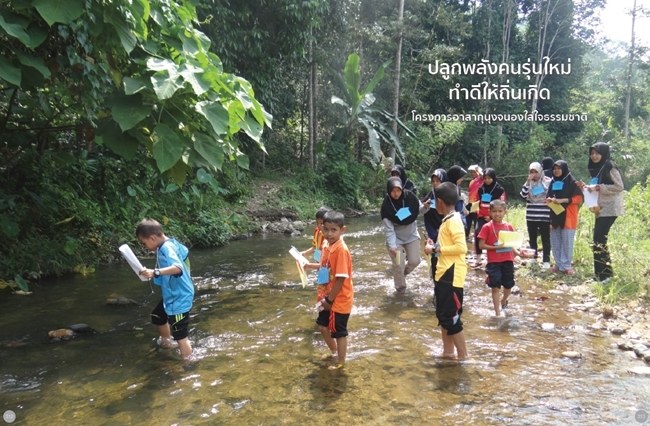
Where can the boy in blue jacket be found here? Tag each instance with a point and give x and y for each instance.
(172, 274)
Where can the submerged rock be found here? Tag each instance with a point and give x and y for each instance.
(548, 326)
(60, 334)
(617, 331)
(639, 349)
(116, 299)
(571, 354)
(641, 371)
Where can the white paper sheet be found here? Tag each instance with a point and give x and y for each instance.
(591, 198)
(132, 260)
(298, 256)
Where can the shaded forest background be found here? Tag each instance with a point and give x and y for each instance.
(113, 110)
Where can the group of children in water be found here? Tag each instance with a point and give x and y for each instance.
(552, 195)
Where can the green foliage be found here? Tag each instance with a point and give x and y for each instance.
(359, 110)
(142, 64)
(58, 219)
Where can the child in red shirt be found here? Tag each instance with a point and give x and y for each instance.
(500, 261)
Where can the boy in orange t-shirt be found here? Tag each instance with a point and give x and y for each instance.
(336, 270)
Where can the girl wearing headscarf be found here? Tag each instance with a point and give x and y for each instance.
(547, 165)
(538, 214)
(407, 184)
(472, 195)
(455, 176)
(564, 191)
(607, 181)
(399, 211)
(490, 190)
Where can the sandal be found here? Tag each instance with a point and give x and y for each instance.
(335, 367)
(326, 357)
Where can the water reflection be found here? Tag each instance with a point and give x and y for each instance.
(253, 330)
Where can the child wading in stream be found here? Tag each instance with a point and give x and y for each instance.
(335, 271)
(172, 314)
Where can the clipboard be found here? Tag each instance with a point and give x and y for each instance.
(475, 207)
(590, 198)
(133, 261)
(557, 208)
(301, 261)
(510, 239)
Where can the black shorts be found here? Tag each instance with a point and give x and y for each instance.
(501, 274)
(335, 322)
(449, 303)
(178, 324)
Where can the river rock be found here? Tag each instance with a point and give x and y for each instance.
(625, 346)
(515, 290)
(641, 371)
(617, 331)
(572, 354)
(608, 312)
(299, 225)
(646, 357)
(548, 326)
(116, 299)
(60, 334)
(81, 328)
(639, 349)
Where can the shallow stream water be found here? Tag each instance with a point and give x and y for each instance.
(253, 331)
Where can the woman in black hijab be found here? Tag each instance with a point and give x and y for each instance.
(399, 212)
(407, 184)
(563, 191)
(547, 165)
(607, 182)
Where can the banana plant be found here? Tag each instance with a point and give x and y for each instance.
(359, 107)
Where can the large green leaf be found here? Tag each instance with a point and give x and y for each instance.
(252, 128)
(134, 85)
(63, 11)
(209, 148)
(192, 74)
(33, 62)
(162, 64)
(37, 35)
(21, 283)
(167, 147)
(242, 160)
(353, 78)
(216, 114)
(9, 227)
(129, 111)
(14, 29)
(124, 32)
(122, 144)
(140, 10)
(165, 85)
(375, 80)
(9, 72)
(373, 139)
(190, 44)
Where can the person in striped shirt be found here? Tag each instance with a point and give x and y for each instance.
(538, 214)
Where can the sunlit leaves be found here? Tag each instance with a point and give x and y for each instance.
(216, 114)
(165, 84)
(210, 149)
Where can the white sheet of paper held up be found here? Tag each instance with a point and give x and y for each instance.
(132, 260)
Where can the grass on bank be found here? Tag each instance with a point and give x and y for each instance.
(629, 246)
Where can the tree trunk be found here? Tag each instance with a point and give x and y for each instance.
(311, 103)
(398, 63)
(629, 78)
